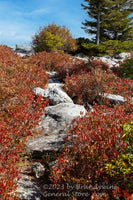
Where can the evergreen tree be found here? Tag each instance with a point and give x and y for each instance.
(97, 11)
(119, 23)
(109, 19)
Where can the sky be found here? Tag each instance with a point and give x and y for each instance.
(20, 19)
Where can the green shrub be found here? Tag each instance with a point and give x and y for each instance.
(115, 46)
(93, 49)
(109, 47)
(80, 48)
(126, 69)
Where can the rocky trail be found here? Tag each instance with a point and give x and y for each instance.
(54, 124)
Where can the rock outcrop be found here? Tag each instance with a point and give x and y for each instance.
(111, 61)
(123, 55)
(58, 118)
(54, 93)
(40, 146)
(54, 125)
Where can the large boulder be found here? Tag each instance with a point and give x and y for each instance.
(40, 146)
(54, 93)
(53, 124)
(58, 118)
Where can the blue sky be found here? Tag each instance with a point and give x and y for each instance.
(21, 19)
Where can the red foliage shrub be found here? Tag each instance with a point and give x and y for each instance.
(76, 66)
(123, 87)
(96, 139)
(19, 114)
(7, 57)
(49, 61)
(87, 87)
(99, 63)
(63, 64)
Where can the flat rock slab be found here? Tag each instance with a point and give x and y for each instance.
(115, 98)
(58, 118)
(41, 145)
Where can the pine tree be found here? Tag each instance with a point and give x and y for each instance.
(120, 25)
(109, 19)
(97, 11)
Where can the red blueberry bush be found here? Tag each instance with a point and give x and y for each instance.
(63, 64)
(96, 140)
(89, 86)
(49, 61)
(19, 114)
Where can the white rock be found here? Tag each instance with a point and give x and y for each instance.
(54, 93)
(81, 56)
(22, 55)
(58, 118)
(52, 74)
(111, 62)
(38, 169)
(124, 55)
(37, 147)
(27, 189)
(115, 98)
